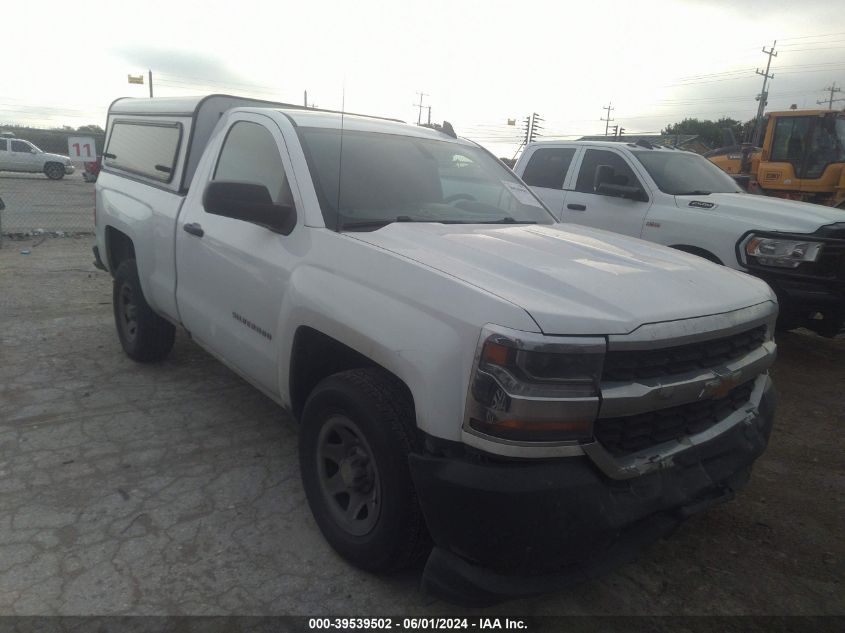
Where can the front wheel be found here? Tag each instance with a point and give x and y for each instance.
(357, 432)
(54, 171)
(144, 335)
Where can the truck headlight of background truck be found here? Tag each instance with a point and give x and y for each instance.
(782, 253)
(532, 388)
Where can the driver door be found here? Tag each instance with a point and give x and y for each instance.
(21, 156)
(586, 206)
(233, 274)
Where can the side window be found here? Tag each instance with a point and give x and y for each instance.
(595, 158)
(547, 167)
(20, 146)
(3, 145)
(145, 148)
(250, 154)
(788, 144)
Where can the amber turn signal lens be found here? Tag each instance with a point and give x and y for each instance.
(531, 431)
(495, 354)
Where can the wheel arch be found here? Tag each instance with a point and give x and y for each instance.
(119, 247)
(701, 252)
(315, 356)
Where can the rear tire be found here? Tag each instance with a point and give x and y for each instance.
(54, 171)
(144, 335)
(356, 434)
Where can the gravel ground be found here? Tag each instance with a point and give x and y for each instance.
(174, 489)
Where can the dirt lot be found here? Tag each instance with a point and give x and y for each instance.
(174, 489)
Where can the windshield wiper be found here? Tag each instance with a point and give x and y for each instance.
(697, 192)
(365, 224)
(508, 220)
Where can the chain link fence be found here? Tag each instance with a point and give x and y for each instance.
(36, 205)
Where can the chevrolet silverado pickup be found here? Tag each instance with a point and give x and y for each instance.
(518, 403)
(681, 199)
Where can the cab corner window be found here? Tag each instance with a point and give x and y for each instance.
(547, 167)
(250, 154)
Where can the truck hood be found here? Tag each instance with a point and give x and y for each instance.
(765, 212)
(572, 279)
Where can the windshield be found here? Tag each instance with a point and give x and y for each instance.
(388, 178)
(685, 174)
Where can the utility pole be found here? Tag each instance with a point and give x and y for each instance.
(532, 128)
(764, 95)
(306, 98)
(429, 115)
(833, 90)
(607, 121)
(151, 83)
(420, 106)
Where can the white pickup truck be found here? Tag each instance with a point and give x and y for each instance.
(682, 200)
(521, 403)
(22, 156)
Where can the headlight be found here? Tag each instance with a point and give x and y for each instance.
(533, 388)
(783, 253)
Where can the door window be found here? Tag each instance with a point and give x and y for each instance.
(3, 145)
(595, 158)
(20, 146)
(250, 154)
(790, 137)
(547, 167)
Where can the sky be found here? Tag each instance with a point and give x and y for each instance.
(478, 63)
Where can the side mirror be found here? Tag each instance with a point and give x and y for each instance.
(622, 191)
(249, 202)
(2, 205)
(604, 174)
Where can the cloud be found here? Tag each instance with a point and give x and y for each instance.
(180, 63)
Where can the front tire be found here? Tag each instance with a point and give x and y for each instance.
(358, 428)
(54, 171)
(144, 335)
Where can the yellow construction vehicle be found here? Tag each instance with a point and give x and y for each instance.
(802, 157)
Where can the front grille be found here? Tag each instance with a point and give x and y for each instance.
(627, 366)
(622, 436)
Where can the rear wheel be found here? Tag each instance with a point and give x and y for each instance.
(357, 432)
(144, 335)
(54, 171)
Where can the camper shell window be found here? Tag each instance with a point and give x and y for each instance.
(145, 148)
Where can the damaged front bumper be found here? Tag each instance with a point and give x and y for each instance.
(505, 529)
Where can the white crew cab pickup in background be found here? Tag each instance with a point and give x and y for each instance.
(681, 199)
(519, 402)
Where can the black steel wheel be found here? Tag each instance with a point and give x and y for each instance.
(144, 335)
(358, 429)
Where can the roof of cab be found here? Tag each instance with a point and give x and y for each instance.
(618, 144)
(336, 120)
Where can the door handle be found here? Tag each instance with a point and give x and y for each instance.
(193, 228)
(577, 207)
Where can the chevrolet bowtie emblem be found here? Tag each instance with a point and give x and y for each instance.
(721, 385)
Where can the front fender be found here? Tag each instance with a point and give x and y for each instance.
(423, 336)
